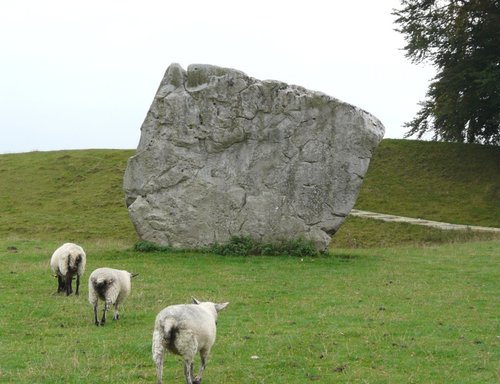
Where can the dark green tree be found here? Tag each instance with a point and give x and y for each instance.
(461, 38)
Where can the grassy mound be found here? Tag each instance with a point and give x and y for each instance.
(64, 195)
(77, 195)
(455, 183)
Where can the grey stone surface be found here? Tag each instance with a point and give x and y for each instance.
(222, 154)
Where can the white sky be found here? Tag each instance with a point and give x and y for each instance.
(82, 74)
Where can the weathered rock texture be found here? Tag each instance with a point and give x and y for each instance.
(222, 154)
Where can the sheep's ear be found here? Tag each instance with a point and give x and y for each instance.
(220, 307)
(134, 275)
(196, 301)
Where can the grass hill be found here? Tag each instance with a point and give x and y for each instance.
(457, 183)
(77, 195)
(64, 195)
(450, 182)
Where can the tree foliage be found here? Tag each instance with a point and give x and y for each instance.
(461, 38)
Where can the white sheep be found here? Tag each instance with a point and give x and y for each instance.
(184, 330)
(66, 261)
(110, 285)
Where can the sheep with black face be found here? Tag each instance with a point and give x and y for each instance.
(67, 261)
(110, 285)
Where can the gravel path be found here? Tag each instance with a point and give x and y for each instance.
(429, 223)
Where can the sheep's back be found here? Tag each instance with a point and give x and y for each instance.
(190, 317)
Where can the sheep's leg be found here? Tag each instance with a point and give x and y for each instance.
(158, 355)
(188, 371)
(60, 284)
(159, 370)
(116, 315)
(106, 307)
(203, 355)
(69, 289)
(95, 314)
(77, 285)
(186, 345)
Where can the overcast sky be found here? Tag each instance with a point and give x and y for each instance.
(82, 74)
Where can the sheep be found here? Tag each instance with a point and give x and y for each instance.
(66, 261)
(110, 285)
(184, 330)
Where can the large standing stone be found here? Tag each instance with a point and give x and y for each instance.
(222, 154)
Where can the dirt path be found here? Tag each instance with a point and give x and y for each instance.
(429, 223)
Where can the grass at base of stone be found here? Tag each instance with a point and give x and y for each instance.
(242, 246)
(412, 315)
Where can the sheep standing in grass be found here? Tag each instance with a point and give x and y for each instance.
(110, 285)
(67, 261)
(184, 330)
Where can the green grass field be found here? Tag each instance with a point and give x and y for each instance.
(399, 315)
(389, 303)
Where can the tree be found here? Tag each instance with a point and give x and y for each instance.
(461, 38)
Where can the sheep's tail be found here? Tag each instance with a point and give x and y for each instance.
(164, 336)
(170, 330)
(99, 281)
(100, 285)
